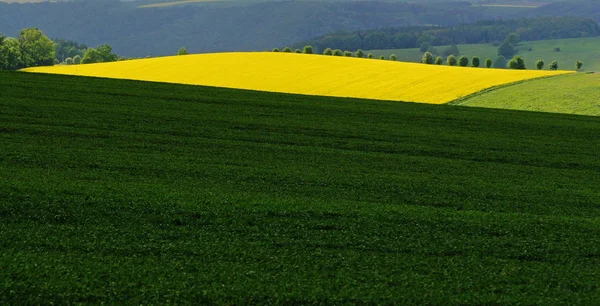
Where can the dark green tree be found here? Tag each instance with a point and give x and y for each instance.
(297, 51)
(91, 56)
(182, 51)
(393, 57)
(328, 51)
(360, 53)
(381, 57)
(36, 49)
(439, 60)
(348, 54)
(553, 65)
(475, 62)
(307, 50)
(539, 64)
(488, 62)
(287, 50)
(507, 50)
(370, 55)
(275, 50)
(578, 65)
(463, 61)
(77, 60)
(69, 61)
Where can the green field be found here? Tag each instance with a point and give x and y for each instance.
(586, 50)
(571, 94)
(142, 193)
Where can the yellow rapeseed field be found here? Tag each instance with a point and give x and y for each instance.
(309, 74)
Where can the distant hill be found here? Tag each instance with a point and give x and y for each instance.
(215, 27)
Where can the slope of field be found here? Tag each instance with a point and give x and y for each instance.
(149, 193)
(586, 50)
(308, 74)
(571, 94)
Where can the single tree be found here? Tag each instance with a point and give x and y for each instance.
(475, 62)
(451, 60)
(463, 61)
(77, 60)
(427, 58)
(297, 51)
(539, 64)
(338, 52)
(499, 62)
(578, 65)
(520, 62)
(348, 54)
(360, 53)
(488, 62)
(370, 55)
(393, 57)
(553, 65)
(328, 51)
(512, 64)
(36, 49)
(182, 51)
(69, 61)
(381, 57)
(507, 50)
(439, 60)
(91, 56)
(287, 50)
(275, 50)
(307, 50)
(106, 53)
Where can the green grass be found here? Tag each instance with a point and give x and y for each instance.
(571, 94)
(142, 193)
(586, 50)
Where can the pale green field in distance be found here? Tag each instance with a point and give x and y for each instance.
(571, 94)
(586, 50)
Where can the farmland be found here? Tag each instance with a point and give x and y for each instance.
(121, 191)
(308, 74)
(572, 94)
(571, 50)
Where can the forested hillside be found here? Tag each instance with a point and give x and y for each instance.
(488, 31)
(208, 28)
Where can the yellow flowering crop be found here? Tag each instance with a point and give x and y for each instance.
(309, 74)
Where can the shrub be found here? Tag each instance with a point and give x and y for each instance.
(539, 64)
(451, 60)
(382, 57)
(427, 58)
(439, 60)
(275, 50)
(182, 51)
(463, 61)
(488, 62)
(328, 51)
(475, 62)
(307, 50)
(370, 55)
(287, 50)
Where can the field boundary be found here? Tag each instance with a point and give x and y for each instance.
(461, 100)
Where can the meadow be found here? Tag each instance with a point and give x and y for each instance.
(572, 49)
(120, 191)
(571, 94)
(308, 74)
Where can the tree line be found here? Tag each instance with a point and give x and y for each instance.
(489, 31)
(33, 48)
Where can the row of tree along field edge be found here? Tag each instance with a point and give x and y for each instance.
(489, 31)
(119, 192)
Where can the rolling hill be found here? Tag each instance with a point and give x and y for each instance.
(571, 50)
(131, 192)
(308, 74)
